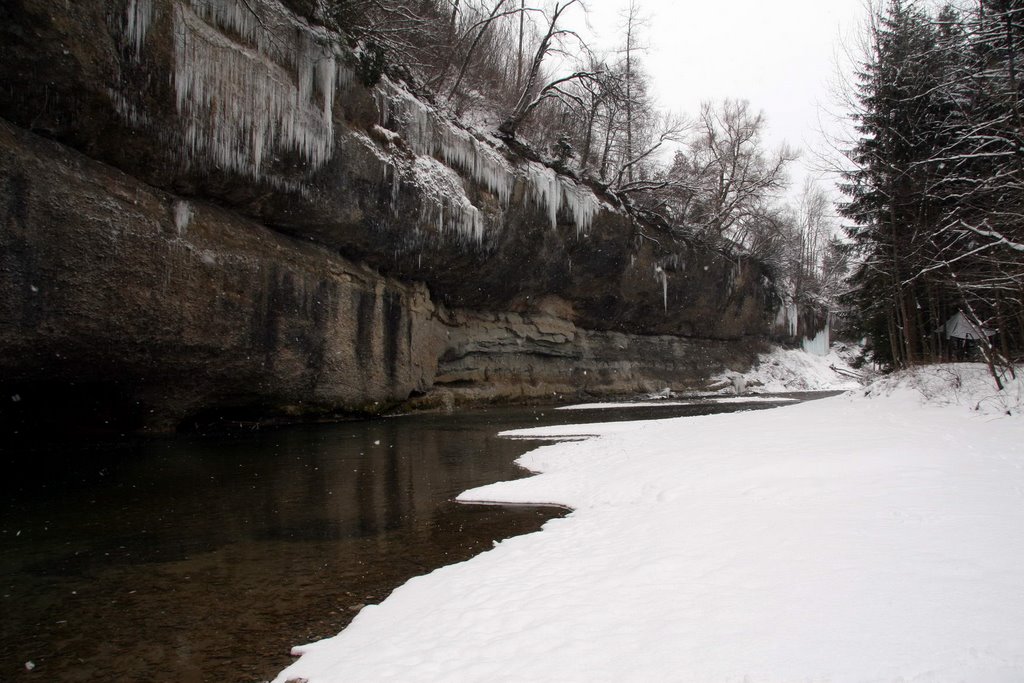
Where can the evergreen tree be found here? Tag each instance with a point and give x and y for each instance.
(888, 192)
(987, 225)
(937, 197)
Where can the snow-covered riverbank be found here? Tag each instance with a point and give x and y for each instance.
(849, 539)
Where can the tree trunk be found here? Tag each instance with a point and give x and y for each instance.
(519, 55)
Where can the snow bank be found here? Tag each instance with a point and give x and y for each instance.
(955, 384)
(783, 370)
(848, 539)
(663, 404)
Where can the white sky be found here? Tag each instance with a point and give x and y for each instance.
(781, 55)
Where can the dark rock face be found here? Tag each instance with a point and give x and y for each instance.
(147, 309)
(245, 227)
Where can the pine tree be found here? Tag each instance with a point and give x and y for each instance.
(888, 192)
(937, 197)
(988, 223)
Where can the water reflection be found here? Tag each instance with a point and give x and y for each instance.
(206, 558)
(199, 559)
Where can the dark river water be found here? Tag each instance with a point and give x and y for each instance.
(207, 558)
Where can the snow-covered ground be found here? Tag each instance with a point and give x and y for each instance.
(871, 537)
(782, 370)
(663, 404)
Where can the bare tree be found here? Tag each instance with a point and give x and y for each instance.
(478, 30)
(630, 178)
(519, 51)
(405, 35)
(533, 92)
(812, 231)
(633, 24)
(730, 174)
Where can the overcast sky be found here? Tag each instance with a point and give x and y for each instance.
(781, 55)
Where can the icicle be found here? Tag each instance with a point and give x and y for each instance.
(182, 211)
(544, 190)
(429, 134)
(660, 273)
(582, 205)
(413, 119)
(128, 108)
(395, 186)
(444, 202)
(819, 345)
(345, 76)
(433, 137)
(551, 192)
(138, 18)
(788, 317)
(484, 165)
(242, 104)
(240, 17)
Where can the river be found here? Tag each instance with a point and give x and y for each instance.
(205, 558)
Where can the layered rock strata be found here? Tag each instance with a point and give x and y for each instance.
(206, 211)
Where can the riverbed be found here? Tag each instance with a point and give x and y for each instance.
(205, 558)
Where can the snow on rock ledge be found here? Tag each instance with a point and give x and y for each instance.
(254, 83)
(432, 134)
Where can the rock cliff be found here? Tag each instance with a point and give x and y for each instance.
(206, 212)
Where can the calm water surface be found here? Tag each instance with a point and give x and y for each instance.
(207, 558)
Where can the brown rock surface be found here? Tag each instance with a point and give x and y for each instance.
(152, 273)
(143, 308)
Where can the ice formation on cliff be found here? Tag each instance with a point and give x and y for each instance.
(138, 17)
(821, 343)
(429, 134)
(661, 275)
(787, 317)
(254, 83)
(447, 205)
(245, 104)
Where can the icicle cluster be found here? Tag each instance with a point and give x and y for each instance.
(447, 205)
(676, 262)
(254, 82)
(182, 211)
(819, 345)
(138, 17)
(458, 148)
(788, 317)
(413, 119)
(268, 92)
(553, 192)
(431, 135)
(545, 190)
(128, 108)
